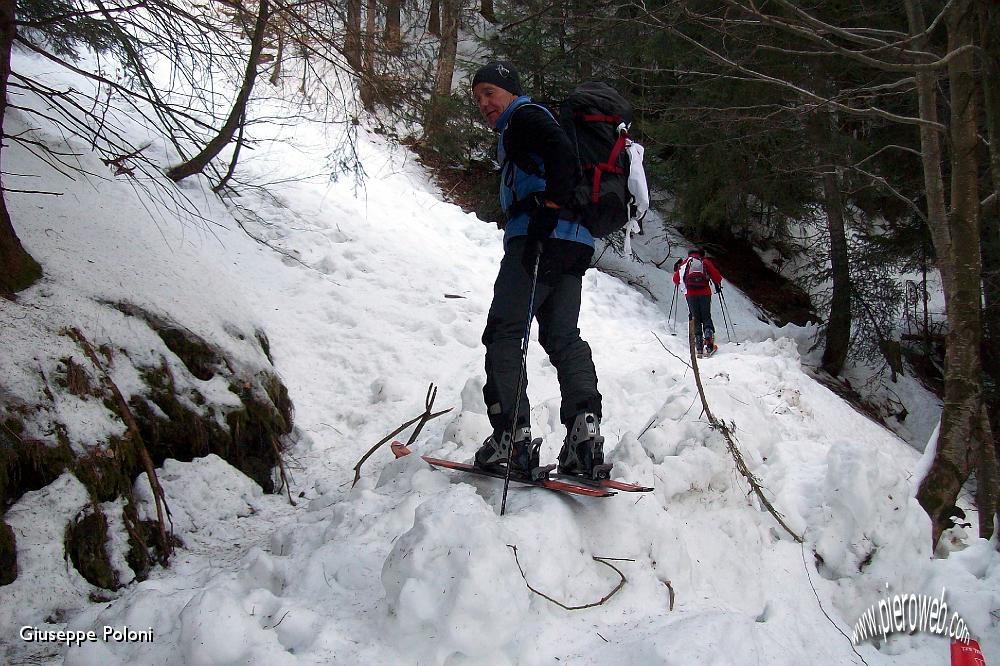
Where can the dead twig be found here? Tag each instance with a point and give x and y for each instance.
(646, 429)
(672, 595)
(119, 162)
(281, 470)
(419, 420)
(279, 621)
(159, 498)
(802, 548)
(603, 560)
(727, 433)
(668, 351)
(629, 280)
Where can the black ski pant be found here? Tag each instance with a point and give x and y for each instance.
(557, 310)
(700, 310)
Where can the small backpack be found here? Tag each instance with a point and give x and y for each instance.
(611, 191)
(694, 274)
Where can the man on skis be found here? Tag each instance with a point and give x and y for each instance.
(537, 177)
(694, 276)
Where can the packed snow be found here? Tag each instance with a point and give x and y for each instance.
(371, 291)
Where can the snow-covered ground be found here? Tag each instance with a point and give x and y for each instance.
(388, 292)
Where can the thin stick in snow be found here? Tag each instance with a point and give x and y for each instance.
(281, 470)
(602, 560)
(727, 433)
(162, 510)
(423, 419)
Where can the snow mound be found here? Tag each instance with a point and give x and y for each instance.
(457, 585)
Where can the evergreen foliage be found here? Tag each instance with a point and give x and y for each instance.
(67, 27)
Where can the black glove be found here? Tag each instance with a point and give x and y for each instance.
(563, 257)
(542, 222)
(532, 250)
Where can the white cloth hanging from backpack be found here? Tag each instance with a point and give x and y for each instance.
(639, 190)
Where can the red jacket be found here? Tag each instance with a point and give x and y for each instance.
(713, 274)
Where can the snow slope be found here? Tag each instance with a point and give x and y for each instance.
(380, 290)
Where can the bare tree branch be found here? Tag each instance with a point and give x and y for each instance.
(420, 420)
(602, 560)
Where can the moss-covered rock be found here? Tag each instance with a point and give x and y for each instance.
(172, 428)
(201, 359)
(141, 534)
(85, 544)
(179, 413)
(28, 464)
(8, 554)
(108, 473)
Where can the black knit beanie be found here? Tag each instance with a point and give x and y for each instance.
(501, 74)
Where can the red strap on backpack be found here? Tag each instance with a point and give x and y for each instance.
(600, 118)
(609, 166)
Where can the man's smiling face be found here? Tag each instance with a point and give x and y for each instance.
(492, 101)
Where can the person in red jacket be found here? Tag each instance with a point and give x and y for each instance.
(694, 276)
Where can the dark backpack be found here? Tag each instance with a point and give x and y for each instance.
(597, 119)
(694, 274)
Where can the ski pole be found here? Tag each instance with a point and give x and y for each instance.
(677, 314)
(725, 322)
(670, 312)
(725, 306)
(521, 377)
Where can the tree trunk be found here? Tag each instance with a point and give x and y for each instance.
(965, 431)
(434, 18)
(838, 326)
(393, 40)
(366, 88)
(352, 41)
(276, 72)
(438, 114)
(198, 163)
(488, 11)
(304, 55)
(448, 49)
(18, 270)
(577, 31)
(989, 38)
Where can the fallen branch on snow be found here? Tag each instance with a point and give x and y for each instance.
(419, 420)
(602, 560)
(159, 498)
(281, 470)
(727, 433)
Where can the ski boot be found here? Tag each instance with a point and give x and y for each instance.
(524, 461)
(710, 347)
(582, 453)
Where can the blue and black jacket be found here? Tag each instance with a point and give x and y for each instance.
(536, 158)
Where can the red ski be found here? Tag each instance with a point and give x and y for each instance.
(550, 484)
(623, 486)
